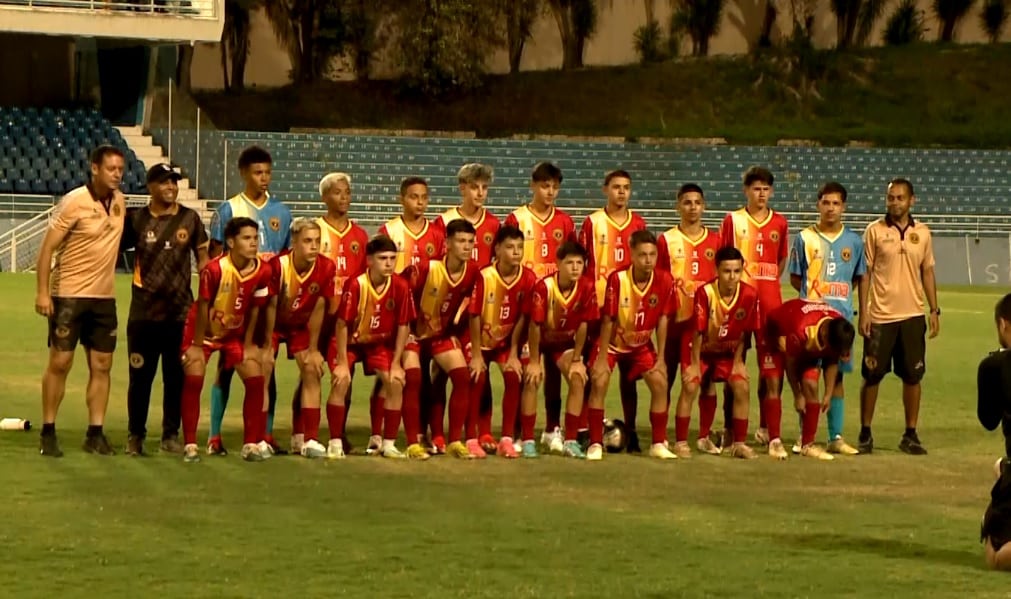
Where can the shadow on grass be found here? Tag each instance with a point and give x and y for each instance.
(887, 548)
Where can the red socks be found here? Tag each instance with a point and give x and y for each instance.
(376, 407)
(596, 417)
(311, 417)
(571, 426)
(707, 413)
(658, 422)
(253, 423)
(391, 423)
(485, 409)
(192, 387)
(474, 407)
(740, 430)
(809, 421)
(412, 405)
(527, 424)
(774, 416)
(335, 416)
(510, 403)
(459, 401)
(681, 428)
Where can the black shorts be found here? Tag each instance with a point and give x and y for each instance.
(896, 346)
(91, 321)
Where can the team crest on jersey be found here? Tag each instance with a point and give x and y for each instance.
(488, 238)
(136, 360)
(430, 249)
(62, 332)
(871, 362)
(846, 254)
(557, 234)
(710, 254)
(355, 246)
(774, 236)
(182, 235)
(913, 237)
(391, 305)
(653, 300)
(275, 223)
(740, 314)
(314, 288)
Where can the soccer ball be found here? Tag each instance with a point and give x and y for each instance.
(615, 436)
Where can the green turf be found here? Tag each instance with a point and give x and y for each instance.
(884, 525)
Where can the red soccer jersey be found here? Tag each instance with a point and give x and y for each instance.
(724, 325)
(764, 245)
(793, 327)
(542, 238)
(412, 248)
(636, 311)
(484, 241)
(607, 243)
(373, 317)
(499, 304)
(297, 294)
(231, 295)
(438, 297)
(346, 249)
(691, 262)
(560, 314)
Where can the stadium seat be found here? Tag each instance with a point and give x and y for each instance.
(22, 186)
(6, 186)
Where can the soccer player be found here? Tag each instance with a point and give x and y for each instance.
(761, 235)
(77, 294)
(814, 339)
(637, 304)
(545, 228)
(440, 289)
(372, 326)
(474, 179)
(688, 253)
(826, 262)
(605, 234)
(726, 313)
(234, 290)
(900, 264)
(563, 308)
(273, 220)
(166, 237)
(303, 282)
(498, 307)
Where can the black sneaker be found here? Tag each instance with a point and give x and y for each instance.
(633, 443)
(583, 437)
(171, 444)
(135, 445)
(911, 444)
(49, 446)
(98, 444)
(866, 445)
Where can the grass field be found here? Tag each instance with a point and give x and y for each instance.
(883, 525)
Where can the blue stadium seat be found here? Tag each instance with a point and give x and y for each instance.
(22, 186)
(56, 187)
(39, 186)
(6, 186)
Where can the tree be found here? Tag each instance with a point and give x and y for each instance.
(519, 17)
(700, 19)
(577, 22)
(855, 20)
(905, 26)
(235, 43)
(310, 31)
(364, 22)
(993, 18)
(950, 12)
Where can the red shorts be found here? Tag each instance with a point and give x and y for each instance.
(716, 368)
(376, 358)
(635, 362)
(231, 349)
(499, 355)
(440, 345)
(296, 341)
(412, 345)
(770, 360)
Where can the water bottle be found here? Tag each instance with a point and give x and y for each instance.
(15, 424)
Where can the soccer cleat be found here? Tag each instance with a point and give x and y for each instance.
(742, 451)
(171, 445)
(572, 449)
(417, 451)
(840, 446)
(583, 437)
(191, 453)
(335, 450)
(517, 446)
(312, 449)
(49, 446)
(633, 442)
(776, 450)
(458, 450)
(506, 449)
(813, 451)
(488, 444)
(475, 449)
(727, 440)
(595, 453)
(391, 451)
(297, 441)
(135, 445)
(553, 441)
(216, 447)
(251, 452)
(529, 449)
(796, 447)
(98, 444)
(706, 445)
(427, 445)
(660, 451)
(911, 444)
(682, 450)
(438, 445)
(375, 445)
(266, 449)
(866, 445)
(275, 447)
(762, 436)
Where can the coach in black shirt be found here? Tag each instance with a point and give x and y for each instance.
(993, 408)
(166, 236)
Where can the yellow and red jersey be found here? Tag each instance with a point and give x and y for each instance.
(346, 249)
(725, 324)
(691, 263)
(373, 316)
(438, 297)
(231, 294)
(296, 293)
(542, 237)
(427, 244)
(606, 241)
(486, 227)
(793, 328)
(560, 313)
(764, 246)
(500, 304)
(636, 311)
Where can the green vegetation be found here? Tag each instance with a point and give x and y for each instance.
(919, 95)
(884, 525)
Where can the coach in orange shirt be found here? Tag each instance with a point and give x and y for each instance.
(900, 269)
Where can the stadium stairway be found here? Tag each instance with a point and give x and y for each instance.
(149, 154)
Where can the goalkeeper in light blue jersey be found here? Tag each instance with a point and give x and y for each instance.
(826, 264)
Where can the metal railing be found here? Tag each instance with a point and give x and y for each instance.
(199, 9)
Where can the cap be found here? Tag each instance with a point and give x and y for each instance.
(160, 172)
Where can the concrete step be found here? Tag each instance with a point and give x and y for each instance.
(137, 141)
(125, 130)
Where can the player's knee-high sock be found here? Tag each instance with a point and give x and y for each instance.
(835, 418)
(219, 401)
(527, 424)
(412, 405)
(335, 417)
(707, 413)
(459, 402)
(584, 414)
(252, 410)
(774, 416)
(297, 427)
(486, 408)
(510, 402)
(740, 429)
(474, 406)
(658, 424)
(629, 400)
(192, 386)
(596, 416)
(681, 424)
(271, 404)
(812, 412)
(572, 425)
(311, 417)
(391, 425)
(552, 396)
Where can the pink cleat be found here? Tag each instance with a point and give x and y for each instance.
(475, 449)
(506, 449)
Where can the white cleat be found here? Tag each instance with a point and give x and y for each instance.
(375, 446)
(251, 452)
(297, 441)
(335, 450)
(390, 451)
(517, 446)
(265, 449)
(796, 447)
(776, 450)
(762, 436)
(312, 449)
(191, 453)
(595, 453)
(660, 451)
(813, 451)
(553, 441)
(706, 445)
